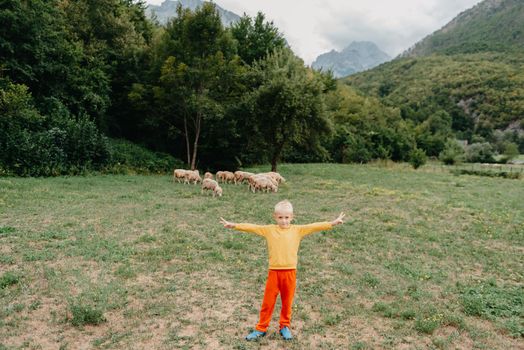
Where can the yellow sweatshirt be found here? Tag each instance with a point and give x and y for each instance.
(283, 243)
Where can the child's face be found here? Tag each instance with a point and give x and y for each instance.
(283, 218)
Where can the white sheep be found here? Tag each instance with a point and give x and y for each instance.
(208, 175)
(210, 184)
(225, 176)
(279, 178)
(179, 175)
(192, 176)
(219, 175)
(262, 182)
(240, 176)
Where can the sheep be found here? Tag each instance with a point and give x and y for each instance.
(275, 176)
(219, 175)
(265, 183)
(262, 182)
(240, 176)
(208, 175)
(179, 174)
(225, 176)
(192, 176)
(210, 184)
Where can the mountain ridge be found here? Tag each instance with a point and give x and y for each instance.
(471, 70)
(167, 10)
(356, 57)
(491, 25)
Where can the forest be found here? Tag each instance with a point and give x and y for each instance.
(96, 86)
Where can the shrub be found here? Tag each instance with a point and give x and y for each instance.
(63, 144)
(417, 158)
(511, 151)
(127, 157)
(480, 153)
(453, 152)
(56, 144)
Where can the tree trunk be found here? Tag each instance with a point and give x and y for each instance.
(187, 141)
(195, 144)
(276, 156)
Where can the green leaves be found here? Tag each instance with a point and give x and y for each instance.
(480, 92)
(256, 38)
(286, 105)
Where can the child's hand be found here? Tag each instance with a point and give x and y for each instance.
(227, 224)
(338, 220)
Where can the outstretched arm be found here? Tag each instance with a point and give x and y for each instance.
(227, 224)
(338, 220)
(244, 227)
(320, 226)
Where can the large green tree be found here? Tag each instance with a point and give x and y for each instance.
(198, 77)
(286, 106)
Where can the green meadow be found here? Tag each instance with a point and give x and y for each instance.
(426, 260)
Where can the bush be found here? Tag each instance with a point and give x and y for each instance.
(417, 158)
(511, 151)
(36, 145)
(453, 152)
(480, 153)
(127, 157)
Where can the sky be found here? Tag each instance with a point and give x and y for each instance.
(313, 27)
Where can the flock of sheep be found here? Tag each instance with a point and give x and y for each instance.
(257, 182)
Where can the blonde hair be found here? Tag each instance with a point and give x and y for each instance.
(284, 206)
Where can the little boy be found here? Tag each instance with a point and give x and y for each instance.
(283, 240)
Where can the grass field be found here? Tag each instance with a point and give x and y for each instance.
(426, 260)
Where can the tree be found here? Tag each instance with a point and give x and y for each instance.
(433, 133)
(365, 129)
(114, 34)
(39, 52)
(256, 38)
(286, 105)
(197, 77)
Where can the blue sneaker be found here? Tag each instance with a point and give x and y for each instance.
(286, 333)
(255, 335)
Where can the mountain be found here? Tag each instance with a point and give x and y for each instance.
(168, 9)
(470, 71)
(357, 57)
(491, 25)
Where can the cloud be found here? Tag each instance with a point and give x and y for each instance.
(313, 27)
(393, 26)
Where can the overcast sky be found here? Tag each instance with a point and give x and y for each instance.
(313, 27)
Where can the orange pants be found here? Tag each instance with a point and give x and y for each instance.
(283, 282)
